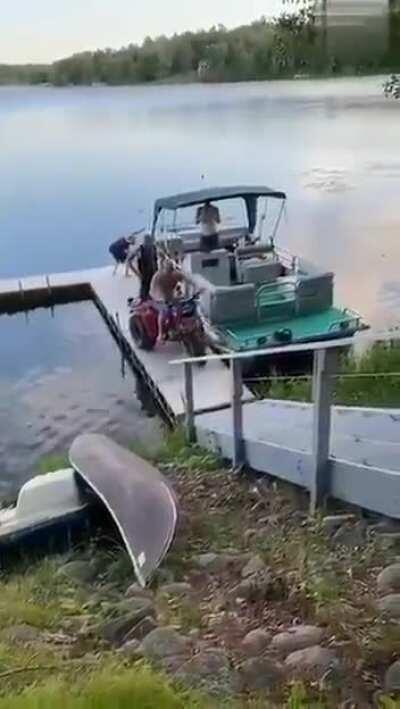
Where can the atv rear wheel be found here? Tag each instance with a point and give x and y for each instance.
(140, 336)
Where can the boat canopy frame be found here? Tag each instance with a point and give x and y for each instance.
(249, 194)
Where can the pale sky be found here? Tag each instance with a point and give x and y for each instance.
(44, 30)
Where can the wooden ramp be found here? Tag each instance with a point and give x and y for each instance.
(211, 383)
(364, 461)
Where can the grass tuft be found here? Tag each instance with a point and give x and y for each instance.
(355, 390)
(52, 463)
(108, 688)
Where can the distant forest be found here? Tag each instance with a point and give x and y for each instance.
(292, 44)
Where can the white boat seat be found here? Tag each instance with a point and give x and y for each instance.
(229, 304)
(215, 266)
(254, 250)
(227, 237)
(259, 271)
(314, 293)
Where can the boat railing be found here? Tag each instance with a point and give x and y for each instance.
(275, 293)
(348, 317)
(287, 259)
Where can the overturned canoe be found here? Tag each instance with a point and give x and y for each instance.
(135, 493)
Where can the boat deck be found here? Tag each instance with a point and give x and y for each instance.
(316, 326)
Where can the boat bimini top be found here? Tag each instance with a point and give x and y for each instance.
(249, 194)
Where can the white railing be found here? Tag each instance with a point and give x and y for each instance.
(325, 371)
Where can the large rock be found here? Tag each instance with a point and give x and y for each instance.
(134, 604)
(331, 523)
(313, 662)
(131, 650)
(389, 606)
(263, 586)
(259, 674)
(392, 678)
(208, 562)
(218, 563)
(78, 571)
(389, 579)
(163, 643)
(210, 672)
(136, 591)
(297, 638)
(176, 589)
(21, 634)
(350, 535)
(254, 566)
(256, 642)
(116, 630)
(141, 629)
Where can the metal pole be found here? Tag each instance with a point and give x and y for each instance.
(325, 365)
(237, 413)
(189, 403)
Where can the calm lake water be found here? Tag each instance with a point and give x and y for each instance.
(60, 376)
(80, 167)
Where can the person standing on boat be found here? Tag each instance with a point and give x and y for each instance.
(209, 218)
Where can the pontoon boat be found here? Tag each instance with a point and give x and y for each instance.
(255, 293)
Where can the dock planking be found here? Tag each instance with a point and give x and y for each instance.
(111, 292)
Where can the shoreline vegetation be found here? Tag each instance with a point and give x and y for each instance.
(256, 606)
(369, 379)
(292, 45)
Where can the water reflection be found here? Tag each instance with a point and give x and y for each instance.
(59, 377)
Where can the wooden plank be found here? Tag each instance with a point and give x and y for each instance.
(237, 414)
(189, 403)
(325, 365)
(290, 465)
(363, 468)
(372, 488)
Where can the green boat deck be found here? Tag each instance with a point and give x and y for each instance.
(327, 324)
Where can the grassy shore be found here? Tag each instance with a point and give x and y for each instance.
(363, 380)
(53, 655)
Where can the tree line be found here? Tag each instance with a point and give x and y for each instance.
(294, 43)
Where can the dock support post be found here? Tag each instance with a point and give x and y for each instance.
(237, 414)
(189, 403)
(325, 365)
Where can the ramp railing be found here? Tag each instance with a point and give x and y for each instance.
(326, 356)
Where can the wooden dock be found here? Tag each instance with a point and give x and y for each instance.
(110, 294)
(350, 453)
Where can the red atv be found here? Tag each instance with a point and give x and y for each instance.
(182, 323)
